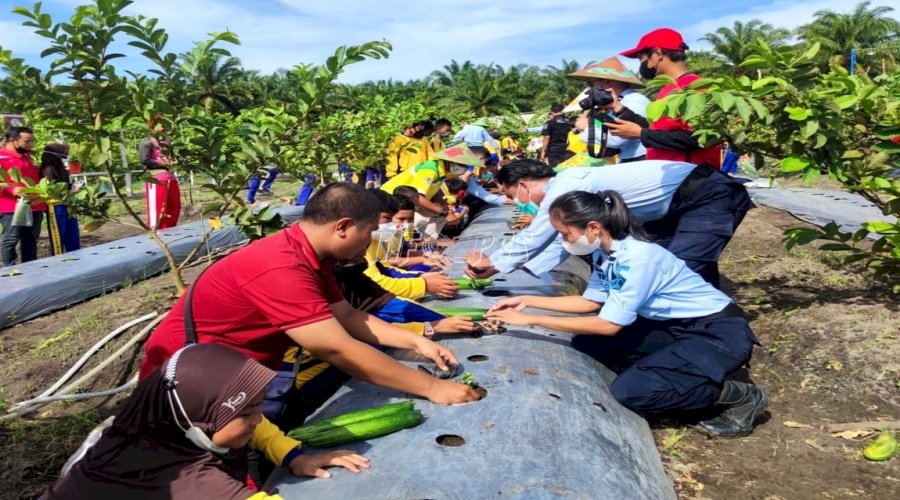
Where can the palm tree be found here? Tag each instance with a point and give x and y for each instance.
(864, 27)
(558, 87)
(735, 44)
(211, 79)
(481, 90)
(708, 64)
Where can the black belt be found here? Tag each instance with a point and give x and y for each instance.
(732, 310)
(691, 183)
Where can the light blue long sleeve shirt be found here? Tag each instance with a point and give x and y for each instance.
(628, 148)
(473, 135)
(475, 189)
(646, 186)
(639, 278)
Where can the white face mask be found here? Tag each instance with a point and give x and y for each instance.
(582, 246)
(387, 227)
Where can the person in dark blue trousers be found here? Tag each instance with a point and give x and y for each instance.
(254, 184)
(675, 341)
(309, 185)
(62, 228)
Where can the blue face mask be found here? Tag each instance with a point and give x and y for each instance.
(530, 208)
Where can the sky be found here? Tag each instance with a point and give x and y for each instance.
(426, 35)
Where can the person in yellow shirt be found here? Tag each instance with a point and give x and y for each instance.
(575, 145)
(408, 150)
(509, 146)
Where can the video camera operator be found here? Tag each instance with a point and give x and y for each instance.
(612, 96)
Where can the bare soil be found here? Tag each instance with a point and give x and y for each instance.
(831, 353)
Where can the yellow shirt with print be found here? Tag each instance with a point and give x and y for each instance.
(425, 177)
(405, 153)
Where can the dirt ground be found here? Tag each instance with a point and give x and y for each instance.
(831, 353)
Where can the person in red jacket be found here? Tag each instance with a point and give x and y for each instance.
(17, 155)
(662, 52)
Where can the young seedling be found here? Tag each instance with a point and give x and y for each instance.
(468, 379)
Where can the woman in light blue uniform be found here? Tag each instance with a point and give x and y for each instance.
(672, 337)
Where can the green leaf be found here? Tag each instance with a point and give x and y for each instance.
(821, 140)
(743, 109)
(93, 225)
(809, 128)
(794, 163)
(811, 175)
(883, 227)
(845, 101)
(854, 258)
(694, 106)
(656, 109)
(724, 100)
(797, 113)
(811, 53)
(836, 247)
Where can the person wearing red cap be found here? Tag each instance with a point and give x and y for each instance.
(662, 52)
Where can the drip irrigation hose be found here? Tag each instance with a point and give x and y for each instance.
(30, 406)
(78, 364)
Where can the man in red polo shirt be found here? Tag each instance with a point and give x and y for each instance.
(662, 52)
(16, 154)
(280, 291)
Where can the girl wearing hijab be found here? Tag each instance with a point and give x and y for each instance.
(184, 433)
(674, 339)
(63, 229)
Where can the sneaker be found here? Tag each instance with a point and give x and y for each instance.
(265, 192)
(743, 405)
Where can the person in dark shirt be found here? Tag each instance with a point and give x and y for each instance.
(556, 136)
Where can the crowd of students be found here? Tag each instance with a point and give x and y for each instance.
(266, 335)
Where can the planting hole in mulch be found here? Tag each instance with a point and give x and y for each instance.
(600, 407)
(552, 334)
(482, 392)
(554, 396)
(496, 293)
(450, 440)
(499, 279)
(476, 358)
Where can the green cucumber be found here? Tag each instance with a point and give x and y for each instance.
(473, 283)
(882, 448)
(473, 313)
(367, 429)
(304, 432)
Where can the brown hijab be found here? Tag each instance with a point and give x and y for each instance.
(144, 454)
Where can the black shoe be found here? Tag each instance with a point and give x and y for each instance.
(742, 405)
(265, 192)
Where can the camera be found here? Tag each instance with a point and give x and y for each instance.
(596, 97)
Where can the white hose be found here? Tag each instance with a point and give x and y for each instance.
(82, 395)
(26, 407)
(78, 364)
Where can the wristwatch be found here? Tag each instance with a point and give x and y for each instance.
(444, 212)
(429, 329)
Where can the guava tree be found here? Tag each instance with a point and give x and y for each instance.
(94, 104)
(841, 125)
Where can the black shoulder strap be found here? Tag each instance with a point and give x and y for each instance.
(592, 134)
(190, 328)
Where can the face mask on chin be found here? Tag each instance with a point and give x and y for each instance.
(582, 246)
(530, 208)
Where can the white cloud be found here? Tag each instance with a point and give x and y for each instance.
(20, 39)
(425, 35)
